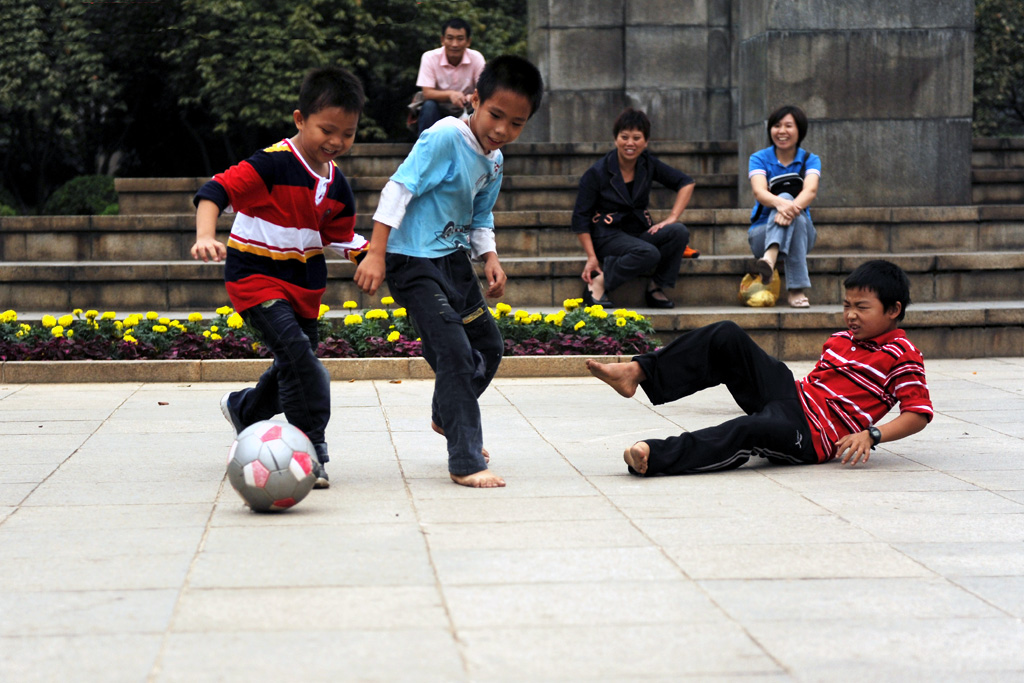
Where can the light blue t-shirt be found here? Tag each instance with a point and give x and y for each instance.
(454, 185)
(764, 162)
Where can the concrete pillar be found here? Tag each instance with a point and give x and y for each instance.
(672, 59)
(886, 85)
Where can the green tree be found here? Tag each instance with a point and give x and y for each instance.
(999, 67)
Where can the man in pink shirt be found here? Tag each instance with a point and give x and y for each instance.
(448, 74)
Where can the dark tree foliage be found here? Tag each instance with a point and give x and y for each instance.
(188, 87)
(999, 67)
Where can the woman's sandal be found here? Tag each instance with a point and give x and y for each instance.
(800, 302)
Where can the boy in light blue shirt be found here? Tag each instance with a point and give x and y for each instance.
(434, 213)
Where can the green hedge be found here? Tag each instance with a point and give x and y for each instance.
(86, 195)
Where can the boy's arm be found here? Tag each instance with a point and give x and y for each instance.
(854, 448)
(207, 247)
(370, 273)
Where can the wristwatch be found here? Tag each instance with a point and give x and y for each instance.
(876, 436)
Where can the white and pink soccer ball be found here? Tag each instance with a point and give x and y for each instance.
(271, 465)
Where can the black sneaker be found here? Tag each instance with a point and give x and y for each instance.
(230, 415)
(322, 480)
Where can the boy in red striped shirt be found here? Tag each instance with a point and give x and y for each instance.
(832, 413)
(291, 202)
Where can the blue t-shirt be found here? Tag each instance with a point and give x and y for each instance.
(764, 162)
(454, 185)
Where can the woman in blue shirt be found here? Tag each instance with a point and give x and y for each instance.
(615, 229)
(784, 179)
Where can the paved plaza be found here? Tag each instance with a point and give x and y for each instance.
(126, 556)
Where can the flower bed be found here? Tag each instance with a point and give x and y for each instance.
(384, 332)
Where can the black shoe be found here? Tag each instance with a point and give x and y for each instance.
(654, 302)
(322, 480)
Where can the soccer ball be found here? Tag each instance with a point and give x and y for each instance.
(271, 465)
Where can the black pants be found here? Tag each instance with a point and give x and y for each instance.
(774, 426)
(461, 343)
(625, 256)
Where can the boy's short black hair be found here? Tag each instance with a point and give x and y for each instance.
(632, 119)
(331, 86)
(887, 280)
(798, 115)
(512, 73)
(458, 25)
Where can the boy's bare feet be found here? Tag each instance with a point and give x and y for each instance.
(622, 377)
(636, 456)
(483, 451)
(484, 479)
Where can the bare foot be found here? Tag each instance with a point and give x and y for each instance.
(622, 377)
(636, 456)
(484, 479)
(483, 451)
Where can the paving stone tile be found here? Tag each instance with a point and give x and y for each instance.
(1002, 592)
(83, 573)
(550, 509)
(605, 533)
(492, 567)
(753, 529)
(116, 493)
(968, 558)
(942, 528)
(803, 479)
(792, 561)
(580, 604)
(712, 504)
(46, 519)
(849, 598)
(304, 654)
(913, 502)
(57, 545)
(895, 649)
(520, 487)
(27, 473)
(324, 608)
(584, 652)
(114, 658)
(14, 494)
(59, 612)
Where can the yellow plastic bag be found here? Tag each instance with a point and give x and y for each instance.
(754, 294)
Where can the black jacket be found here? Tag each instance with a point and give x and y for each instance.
(603, 191)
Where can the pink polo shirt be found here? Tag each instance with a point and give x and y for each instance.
(436, 72)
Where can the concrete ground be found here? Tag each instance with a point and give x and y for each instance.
(126, 556)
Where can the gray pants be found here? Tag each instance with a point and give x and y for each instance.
(795, 241)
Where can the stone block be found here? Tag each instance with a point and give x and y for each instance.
(973, 286)
(850, 238)
(674, 113)
(799, 344)
(529, 292)
(62, 246)
(1000, 236)
(583, 114)
(36, 296)
(14, 248)
(125, 246)
(87, 371)
(586, 59)
(233, 370)
(585, 13)
(931, 236)
(557, 366)
(667, 12)
(823, 15)
(657, 56)
(346, 369)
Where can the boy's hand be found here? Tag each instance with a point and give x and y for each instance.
(854, 448)
(496, 277)
(370, 273)
(207, 248)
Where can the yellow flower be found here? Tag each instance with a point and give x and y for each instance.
(598, 312)
(108, 315)
(235, 321)
(376, 313)
(77, 311)
(387, 301)
(570, 304)
(399, 312)
(57, 331)
(536, 318)
(152, 315)
(128, 332)
(133, 320)
(353, 319)
(164, 321)
(195, 317)
(521, 316)
(49, 321)
(206, 334)
(503, 309)
(215, 337)
(214, 328)
(25, 328)
(621, 313)
(159, 328)
(19, 333)
(130, 339)
(224, 310)
(553, 319)
(8, 316)
(91, 314)
(350, 304)
(118, 325)
(323, 311)
(71, 333)
(393, 337)
(579, 325)
(620, 322)
(65, 320)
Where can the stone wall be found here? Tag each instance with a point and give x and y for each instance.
(673, 59)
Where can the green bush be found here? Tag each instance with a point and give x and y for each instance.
(86, 195)
(7, 203)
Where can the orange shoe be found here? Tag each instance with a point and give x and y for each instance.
(690, 252)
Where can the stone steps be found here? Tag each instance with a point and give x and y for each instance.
(540, 234)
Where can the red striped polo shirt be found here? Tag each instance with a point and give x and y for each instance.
(855, 384)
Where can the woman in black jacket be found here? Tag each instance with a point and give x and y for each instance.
(612, 222)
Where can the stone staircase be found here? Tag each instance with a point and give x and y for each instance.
(966, 263)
